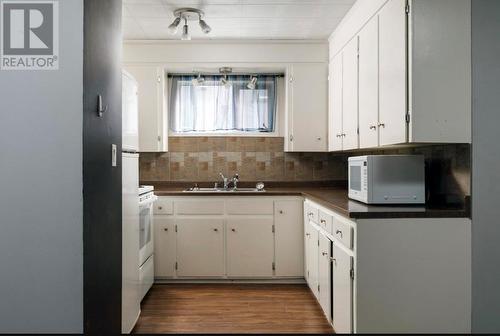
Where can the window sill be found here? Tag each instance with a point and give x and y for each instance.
(226, 134)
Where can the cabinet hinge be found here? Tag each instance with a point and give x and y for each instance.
(308, 274)
(407, 9)
(407, 118)
(176, 266)
(318, 288)
(274, 266)
(357, 130)
(159, 138)
(291, 137)
(352, 273)
(158, 79)
(273, 229)
(176, 228)
(318, 242)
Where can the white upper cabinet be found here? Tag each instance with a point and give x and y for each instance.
(153, 117)
(414, 80)
(307, 108)
(392, 75)
(350, 96)
(368, 85)
(335, 104)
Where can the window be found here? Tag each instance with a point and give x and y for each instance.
(222, 104)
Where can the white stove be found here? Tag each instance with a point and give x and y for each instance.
(146, 239)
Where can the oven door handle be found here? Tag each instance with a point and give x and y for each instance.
(148, 201)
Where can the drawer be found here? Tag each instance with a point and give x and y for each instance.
(342, 231)
(311, 212)
(250, 206)
(163, 206)
(325, 221)
(199, 207)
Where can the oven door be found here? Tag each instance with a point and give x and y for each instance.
(358, 180)
(146, 229)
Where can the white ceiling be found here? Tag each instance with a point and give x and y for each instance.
(237, 19)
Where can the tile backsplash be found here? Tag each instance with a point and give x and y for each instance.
(201, 159)
(254, 158)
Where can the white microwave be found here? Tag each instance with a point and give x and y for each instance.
(387, 179)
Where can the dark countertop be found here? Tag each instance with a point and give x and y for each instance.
(335, 198)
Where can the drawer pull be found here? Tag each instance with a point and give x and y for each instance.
(310, 214)
(281, 211)
(216, 230)
(324, 253)
(339, 233)
(165, 229)
(308, 234)
(323, 221)
(234, 230)
(160, 208)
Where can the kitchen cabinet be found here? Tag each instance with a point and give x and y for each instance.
(342, 291)
(368, 85)
(312, 262)
(289, 230)
(413, 87)
(200, 247)
(165, 246)
(233, 237)
(344, 106)
(335, 104)
(385, 272)
(153, 116)
(392, 76)
(307, 108)
(250, 245)
(325, 276)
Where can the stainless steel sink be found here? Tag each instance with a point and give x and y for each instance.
(219, 190)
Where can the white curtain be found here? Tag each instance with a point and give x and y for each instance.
(214, 107)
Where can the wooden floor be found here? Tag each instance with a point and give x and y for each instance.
(231, 308)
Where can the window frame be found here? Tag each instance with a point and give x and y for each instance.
(278, 124)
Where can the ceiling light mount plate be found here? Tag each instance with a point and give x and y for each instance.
(190, 14)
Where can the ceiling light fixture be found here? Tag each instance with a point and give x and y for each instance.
(253, 83)
(188, 14)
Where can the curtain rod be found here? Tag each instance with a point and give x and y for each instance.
(229, 75)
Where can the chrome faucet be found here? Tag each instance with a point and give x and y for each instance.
(225, 180)
(236, 179)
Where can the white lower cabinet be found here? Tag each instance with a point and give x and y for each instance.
(250, 245)
(393, 275)
(165, 246)
(229, 237)
(325, 275)
(342, 291)
(200, 247)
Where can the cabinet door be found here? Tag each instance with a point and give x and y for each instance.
(289, 249)
(153, 130)
(325, 275)
(368, 84)
(312, 259)
(165, 246)
(308, 108)
(200, 247)
(350, 95)
(335, 104)
(392, 76)
(342, 291)
(250, 247)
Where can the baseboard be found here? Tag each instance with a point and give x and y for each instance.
(160, 281)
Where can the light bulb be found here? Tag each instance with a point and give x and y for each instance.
(253, 82)
(174, 25)
(204, 26)
(185, 33)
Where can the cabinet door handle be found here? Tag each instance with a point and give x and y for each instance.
(308, 234)
(381, 125)
(165, 229)
(333, 260)
(319, 138)
(373, 127)
(160, 208)
(234, 230)
(339, 232)
(281, 212)
(216, 230)
(324, 253)
(322, 221)
(310, 214)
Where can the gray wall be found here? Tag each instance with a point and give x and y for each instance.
(485, 166)
(41, 249)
